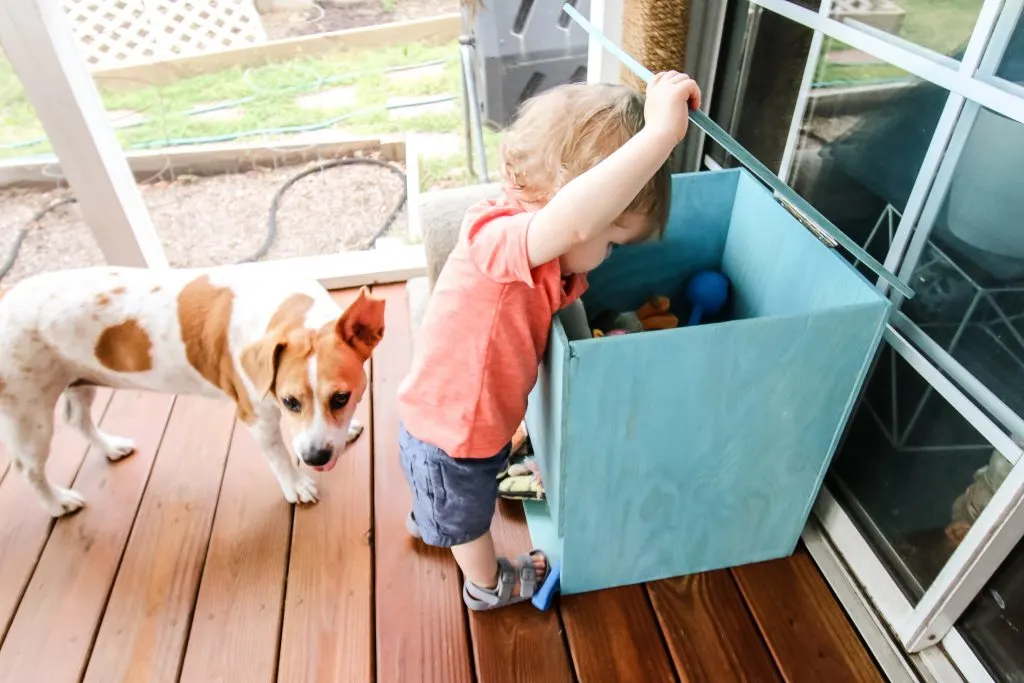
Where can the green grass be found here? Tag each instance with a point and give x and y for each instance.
(270, 104)
(943, 27)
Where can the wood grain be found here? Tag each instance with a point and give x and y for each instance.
(237, 620)
(806, 630)
(66, 598)
(328, 621)
(142, 637)
(421, 632)
(24, 524)
(518, 643)
(710, 634)
(614, 636)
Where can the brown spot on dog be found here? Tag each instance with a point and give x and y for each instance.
(292, 312)
(125, 348)
(118, 291)
(262, 360)
(156, 288)
(204, 314)
(102, 300)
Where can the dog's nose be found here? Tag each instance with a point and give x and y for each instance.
(319, 458)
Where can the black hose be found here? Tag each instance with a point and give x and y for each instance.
(275, 204)
(268, 242)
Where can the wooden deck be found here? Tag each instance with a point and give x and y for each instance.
(187, 564)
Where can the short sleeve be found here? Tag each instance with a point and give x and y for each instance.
(496, 236)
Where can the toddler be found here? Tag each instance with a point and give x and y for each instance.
(584, 169)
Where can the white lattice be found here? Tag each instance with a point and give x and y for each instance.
(119, 32)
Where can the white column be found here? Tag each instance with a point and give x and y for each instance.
(40, 47)
(602, 66)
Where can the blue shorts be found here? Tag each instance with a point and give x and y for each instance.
(452, 498)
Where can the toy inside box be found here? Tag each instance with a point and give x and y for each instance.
(681, 450)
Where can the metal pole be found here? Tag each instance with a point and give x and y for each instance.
(468, 77)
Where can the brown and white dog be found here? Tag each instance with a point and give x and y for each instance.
(269, 348)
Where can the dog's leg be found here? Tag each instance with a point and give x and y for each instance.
(296, 485)
(26, 436)
(77, 411)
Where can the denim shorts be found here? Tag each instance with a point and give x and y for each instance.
(452, 498)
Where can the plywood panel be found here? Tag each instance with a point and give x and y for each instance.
(328, 620)
(709, 631)
(142, 637)
(24, 524)
(68, 593)
(806, 630)
(518, 643)
(421, 632)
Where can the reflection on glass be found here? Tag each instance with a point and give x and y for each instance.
(969, 279)
(913, 473)
(862, 140)
(1011, 67)
(994, 621)
(943, 26)
(21, 134)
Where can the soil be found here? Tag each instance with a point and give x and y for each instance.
(217, 219)
(335, 15)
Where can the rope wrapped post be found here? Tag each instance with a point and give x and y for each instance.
(654, 31)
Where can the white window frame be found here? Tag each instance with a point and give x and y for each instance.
(38, 42)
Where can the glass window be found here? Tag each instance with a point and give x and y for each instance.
(969, 279)
(1011, 67)
(994, 621)
(943, 26)
(863, 137)
(913, 473)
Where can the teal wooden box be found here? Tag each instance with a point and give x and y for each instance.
(678, 451)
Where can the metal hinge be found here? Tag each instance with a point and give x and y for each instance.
(815, 229)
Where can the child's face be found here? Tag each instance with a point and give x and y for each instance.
(628, 228)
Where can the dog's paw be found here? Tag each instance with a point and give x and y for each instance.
(117, 447)
(302, 491)
(65, 502)
(355, 428)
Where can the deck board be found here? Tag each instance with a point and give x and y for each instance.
(421, 629)
(237, 622)
(805, 628)
(142, 637)
(614, 636)
(188, 559)
(520, 643)
(68, 594)
(709, 632)
(24, 524)
(328, 633)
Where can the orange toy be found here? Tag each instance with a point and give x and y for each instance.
(654, 315)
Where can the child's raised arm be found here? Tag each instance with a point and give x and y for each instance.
(590, 203)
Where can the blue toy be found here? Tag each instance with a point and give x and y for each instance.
(707, 292)
(543, 597)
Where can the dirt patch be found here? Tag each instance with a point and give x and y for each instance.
(216, 220)
(335, 15)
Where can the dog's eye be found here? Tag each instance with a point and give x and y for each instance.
(340, 399)
(291, 403)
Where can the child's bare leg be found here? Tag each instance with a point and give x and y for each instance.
(479, 562)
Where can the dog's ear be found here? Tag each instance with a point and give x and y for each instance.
(361, 326)
(260, 361)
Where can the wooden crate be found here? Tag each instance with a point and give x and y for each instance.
(674, 452)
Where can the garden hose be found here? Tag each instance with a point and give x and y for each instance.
(268, 242)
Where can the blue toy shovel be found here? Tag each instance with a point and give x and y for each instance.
(543, 597)
(707, 293)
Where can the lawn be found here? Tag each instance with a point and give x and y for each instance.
(262, 103)
(943, 27)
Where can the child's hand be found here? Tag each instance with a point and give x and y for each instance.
(670, 96)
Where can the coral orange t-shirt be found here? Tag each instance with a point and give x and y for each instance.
(483, 333)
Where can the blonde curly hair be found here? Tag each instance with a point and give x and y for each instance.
(567, 130)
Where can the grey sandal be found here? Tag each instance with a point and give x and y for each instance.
(480, 599)
(410, 526)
